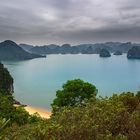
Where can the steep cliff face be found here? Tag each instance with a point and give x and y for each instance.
(6, 81)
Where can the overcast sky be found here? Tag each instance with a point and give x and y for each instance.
(69, 21)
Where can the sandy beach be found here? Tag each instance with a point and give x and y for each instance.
(42, 112)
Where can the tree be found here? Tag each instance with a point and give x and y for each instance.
(74, 92)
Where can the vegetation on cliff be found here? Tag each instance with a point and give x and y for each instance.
(6, 81)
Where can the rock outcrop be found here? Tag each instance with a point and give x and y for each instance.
(104, 53)
(118, 53)
(134, 53)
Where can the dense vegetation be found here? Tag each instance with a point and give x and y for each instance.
(114, 118)
(6, 81)
(75, 92)
(96, 118)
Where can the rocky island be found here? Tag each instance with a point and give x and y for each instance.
(112, 47)
(104, 53)
(134, 53)
(118, 53)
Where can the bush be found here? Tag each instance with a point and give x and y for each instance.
(99, 119)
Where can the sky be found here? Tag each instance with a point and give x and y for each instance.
(41, 22)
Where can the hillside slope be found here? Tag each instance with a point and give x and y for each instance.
(9, 50)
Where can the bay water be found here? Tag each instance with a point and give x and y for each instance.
(36, 81)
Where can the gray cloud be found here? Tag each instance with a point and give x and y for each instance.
(69, 21)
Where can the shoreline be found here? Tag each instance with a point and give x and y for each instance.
(44, 113)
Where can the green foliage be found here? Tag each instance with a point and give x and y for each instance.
(3, 123)
(6, 106)
(129, 100)
(138, 95)
(20, 116)
(16, 115)
(112, 118)
(74, 92)
(6, 81)
(34, 118)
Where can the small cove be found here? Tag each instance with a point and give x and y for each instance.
(36, 81)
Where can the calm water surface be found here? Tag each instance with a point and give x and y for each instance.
(36, 81)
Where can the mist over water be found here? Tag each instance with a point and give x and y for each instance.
(36, 81)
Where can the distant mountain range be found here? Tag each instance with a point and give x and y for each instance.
(26, 47)
(112, 47)
(9, 50)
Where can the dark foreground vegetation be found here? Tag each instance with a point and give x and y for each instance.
(78, 114)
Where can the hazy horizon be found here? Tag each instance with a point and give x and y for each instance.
(69, 21)
(72, 44)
